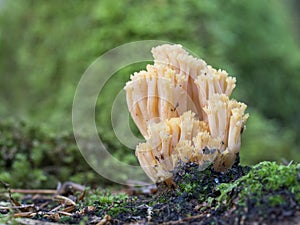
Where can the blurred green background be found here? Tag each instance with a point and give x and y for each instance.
(45, 47)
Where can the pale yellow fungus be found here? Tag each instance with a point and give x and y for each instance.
(182, 107)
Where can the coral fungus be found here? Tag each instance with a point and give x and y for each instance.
(181, 106)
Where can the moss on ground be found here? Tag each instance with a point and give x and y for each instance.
(34, 157)
(266, 193)
(263, 179)
(106, 203)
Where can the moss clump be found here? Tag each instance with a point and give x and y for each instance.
(269, 191)
(263, 179)
(201, 182)
(106, 203)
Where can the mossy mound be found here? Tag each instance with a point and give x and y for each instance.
(267, 193)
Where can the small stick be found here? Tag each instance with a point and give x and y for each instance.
(56, 208)
(17, 207)
(69, 209)
(7, 187)
(33, 191)
(65, 200)
(104, 221)
(26, 221)
(25, 214)
(64, 213)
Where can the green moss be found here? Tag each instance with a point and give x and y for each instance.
(276, 200)
(240, 192)
(264, 181)
(8, 219)
(265, 185)
(33, 157)
(107, 203)
(201, 182)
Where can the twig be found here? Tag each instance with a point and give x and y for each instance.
(65, 200)
(64, 213)
(33, 191)
(69, 209)
(22, 207)
(7, 187)
(56, 208)
(24, 214)
(105, 220)
(26, 221)
(184, 219)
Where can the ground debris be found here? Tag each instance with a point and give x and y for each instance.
(42, 205)
(241, 196)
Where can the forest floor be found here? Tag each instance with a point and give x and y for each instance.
(267, 193)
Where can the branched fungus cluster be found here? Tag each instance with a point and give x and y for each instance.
(181, 106)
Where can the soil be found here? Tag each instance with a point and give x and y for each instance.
(195, 196)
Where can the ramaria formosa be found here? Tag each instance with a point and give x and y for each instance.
(181, 106)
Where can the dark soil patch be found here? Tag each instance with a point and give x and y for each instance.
(265, 194)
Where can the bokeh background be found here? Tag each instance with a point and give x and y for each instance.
(45, 47)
